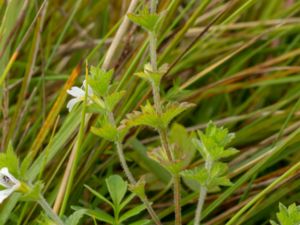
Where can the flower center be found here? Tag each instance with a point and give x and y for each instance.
(7, 180)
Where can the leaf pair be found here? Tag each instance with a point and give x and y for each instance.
(151, 22)
(151, 76)
(159, 155)
(117, 189)
(109, 132)
(181, 147)
(149, 117)
(211, 179)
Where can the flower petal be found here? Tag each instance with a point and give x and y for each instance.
(76, 92)
(5, 193)
(72, 102)
(90, 90)
(7, 180)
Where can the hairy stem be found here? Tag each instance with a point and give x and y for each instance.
(153, 39)
(48, 210)
(163, 132)
(124, 165)
(202, 195)
(128, 173)
(165, 143)
(201, 200)
(177, 198)
(152, 213)
(152, 48)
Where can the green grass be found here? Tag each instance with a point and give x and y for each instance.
(237, 61)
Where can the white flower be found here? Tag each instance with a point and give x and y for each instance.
(79, 95)
(9, 182)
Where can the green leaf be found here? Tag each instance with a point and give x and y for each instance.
(148, 21)
(107, 131)
(139, 188)
(98, 195)
(100, 215)
(100, 80)
(113, 99)
(172, 110)
(117, 188)
(153, 77)
(126, 201)
(212, 143)
(10, 160)
(75, 217)
(220, 135)
(132, 212)
(198, 174)
(160, 156)
(229, 152)
(147, 117)
(288, 216)
(95, 108)
(183, 146)
(212, 178)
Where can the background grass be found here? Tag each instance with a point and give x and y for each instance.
(237, 60)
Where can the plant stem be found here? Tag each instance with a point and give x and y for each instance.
(177, 198)
(152, 48)
(163, 131)
(153, 39)
(48, 210)
(166, 146)
(128, 173)
(123, 162)
(152, 213)
(201, 200)
(203, 193)
(165, 143)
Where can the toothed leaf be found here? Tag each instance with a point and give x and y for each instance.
(100, 80)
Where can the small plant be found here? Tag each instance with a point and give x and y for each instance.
(117, 189)
(212, 145)
(287, 215)
(158, 115)
(104, 100)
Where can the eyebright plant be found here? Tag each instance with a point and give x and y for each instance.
(212, 146)
(103, 101)
(287, 215)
